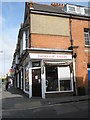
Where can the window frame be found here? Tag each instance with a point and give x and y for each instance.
(26, 69)
(46, 81)
(70, 7)
(87, 11)
(59, 91)
(21, 46)
(26, 38)
(87, 37)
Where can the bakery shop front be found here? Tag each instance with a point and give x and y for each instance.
(48, 74)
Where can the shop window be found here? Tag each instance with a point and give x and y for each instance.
(27, 78)
(64, 78)
(65, 85)
(36, 64)
(51, 78)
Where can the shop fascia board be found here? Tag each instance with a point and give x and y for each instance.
(50, 56)
(49, 50)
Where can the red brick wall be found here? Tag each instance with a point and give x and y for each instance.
(61, 42)
(49, 41)
(82, 56)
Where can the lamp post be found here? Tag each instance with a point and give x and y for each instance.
(1, 92)
(3, 52)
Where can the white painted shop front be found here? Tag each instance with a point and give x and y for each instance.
(47, 73)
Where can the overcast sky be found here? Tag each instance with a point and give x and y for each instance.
(11, 16)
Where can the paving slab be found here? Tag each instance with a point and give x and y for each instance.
(15, 99)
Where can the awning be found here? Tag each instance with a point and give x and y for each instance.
(66, 63)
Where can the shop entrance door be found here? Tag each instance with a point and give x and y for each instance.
(36, 82)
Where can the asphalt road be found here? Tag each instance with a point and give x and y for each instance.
(65, 110)
(16, 105)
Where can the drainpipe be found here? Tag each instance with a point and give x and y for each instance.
(71, 34)
(73, 55)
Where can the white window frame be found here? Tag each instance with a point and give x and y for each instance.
(21, 78)
(30, 76)
(88, 11)
(24, 39)
(26, 67)
(78, 10)
(21, 46)
(27, 39)
(71, 79)
(72, 10)
(68, 10)
(71, 82)
(17, 80)
(87, 33)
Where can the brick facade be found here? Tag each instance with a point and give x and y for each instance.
(50, 32)
(49, 41)
(62, 42)
(82, 56)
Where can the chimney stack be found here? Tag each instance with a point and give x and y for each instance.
(21, 24)
(31, 5)
(57, 5)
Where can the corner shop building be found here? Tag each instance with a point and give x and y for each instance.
(46, 73)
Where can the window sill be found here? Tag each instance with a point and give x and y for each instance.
(59, 91)
(88, 46)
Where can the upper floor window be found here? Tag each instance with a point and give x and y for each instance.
(78, 10)
(87, 36)
(87, 11)
(21, 46)
(36, 64)
(71, 8)
(26, 38)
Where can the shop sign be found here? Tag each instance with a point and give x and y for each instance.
(11, 71)
(50, 56)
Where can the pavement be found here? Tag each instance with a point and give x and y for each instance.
(16, 99)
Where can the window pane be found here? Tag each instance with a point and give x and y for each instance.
(71, 8)
(51, 78)
(86, 42)
(64, 73)
(65, 85)
(27, 78)
(36, 64)
(26, 33)
(86, 36)
(89, 42)
(86, 11)
(78, 9)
